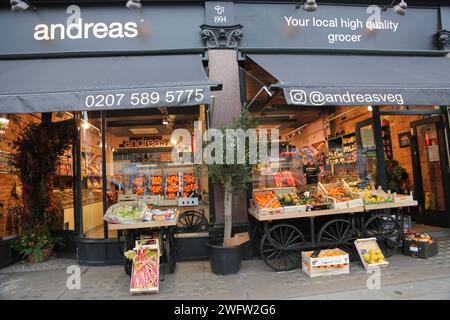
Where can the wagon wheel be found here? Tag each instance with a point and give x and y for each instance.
(169, 248)
(256, 236)
(342, 233)
(192, 221)
(386, 230)
(281, 247)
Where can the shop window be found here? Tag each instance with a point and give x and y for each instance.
(139, 165)
(324, 146)
(91, 174)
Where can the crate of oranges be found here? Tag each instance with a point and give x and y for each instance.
(325, 263)
(266, 202)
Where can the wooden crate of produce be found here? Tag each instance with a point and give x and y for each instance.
(340, 195)
(289, 199)
(377, 196)
(328, 262)
(145, 267)
(265, 202)
(368, 248)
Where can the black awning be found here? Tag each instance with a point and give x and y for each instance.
(359, 80)
(103, 83)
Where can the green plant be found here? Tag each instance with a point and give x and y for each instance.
(33, 242)
(233, 177)
(397, 176)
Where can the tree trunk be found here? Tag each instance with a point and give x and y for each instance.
(227, 205)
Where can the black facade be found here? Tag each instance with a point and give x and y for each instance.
(108, 31)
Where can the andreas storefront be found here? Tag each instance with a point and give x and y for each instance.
(351, 88)
(360, 97)
(118, 82)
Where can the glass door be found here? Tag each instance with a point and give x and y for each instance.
(430, 162)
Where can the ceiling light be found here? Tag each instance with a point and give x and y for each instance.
(400, 8)
(134, 4)
(369, 108)
(308, 5)
(165, 120)
(85, 125)
(19, 5)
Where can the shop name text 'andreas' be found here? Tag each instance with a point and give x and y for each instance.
(76, 29)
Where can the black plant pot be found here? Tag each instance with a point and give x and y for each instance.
(224, 260)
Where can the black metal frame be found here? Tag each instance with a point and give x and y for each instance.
(357, 227)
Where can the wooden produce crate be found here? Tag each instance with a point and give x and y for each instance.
(127, 198)
(266, 209)
(290, 208)
(364, 246)
(325, 264)
(354, 201)
(403, 197)
(389, 198)
(145, 268)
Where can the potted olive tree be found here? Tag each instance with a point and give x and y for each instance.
(234, 177)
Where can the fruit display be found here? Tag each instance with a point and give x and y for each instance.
(314, 199)
(138, 185)
(419, 237)
(155, 180)
(156, 189)
(288, 199)
(373, 198)
(189, 184)
(172, 183)
(373, 256)
(284, 179)
(327, 254)
(266, 200)
(339, 193)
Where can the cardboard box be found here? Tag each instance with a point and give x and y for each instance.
(420, 249)
(152, 246)
(238, 239)
(325, 265)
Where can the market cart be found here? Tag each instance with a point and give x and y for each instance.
(164, 229)
(279, 236)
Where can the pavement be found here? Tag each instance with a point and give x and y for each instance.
(404, 278)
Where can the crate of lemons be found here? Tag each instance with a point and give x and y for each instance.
(370, 253)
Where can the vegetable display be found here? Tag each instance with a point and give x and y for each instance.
(123, 213)
(145, 268)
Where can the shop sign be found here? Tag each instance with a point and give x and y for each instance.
(219, 13)
(145, 142)
(103, 28)
(336, 27)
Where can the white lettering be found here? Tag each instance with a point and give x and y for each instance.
(131, 30)
(41, 32)
(100, 30)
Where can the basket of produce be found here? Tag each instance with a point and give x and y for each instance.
(189, 184)
(314, 201)
(124, 213)
(377, 196)
(341, 195)
(419, 245)
(327, 262)
(289, 199)
(155, 185)
(145, 267)
(139, 185)
(370, 253)
(266, 202)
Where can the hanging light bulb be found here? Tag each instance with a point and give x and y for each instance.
(85, 125)
(134, 4)
(369, 108)
(310, 5)
(400, 8)
(165, 120)
(19, 5)
(4, 123)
